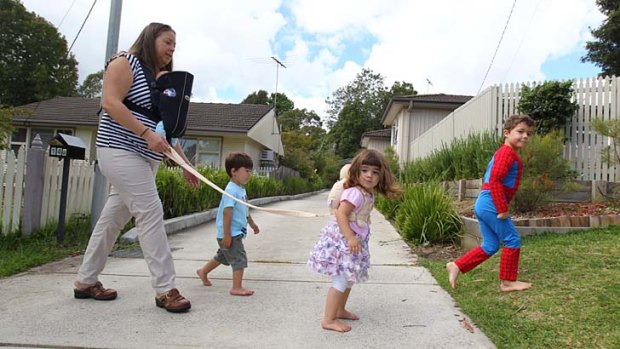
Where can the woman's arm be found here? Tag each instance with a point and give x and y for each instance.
(116, 84)
(189, 177)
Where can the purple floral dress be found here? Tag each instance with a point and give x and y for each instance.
(331, 254)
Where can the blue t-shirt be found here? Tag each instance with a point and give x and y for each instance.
(239, 222)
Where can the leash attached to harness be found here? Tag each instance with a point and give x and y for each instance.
(174, 156)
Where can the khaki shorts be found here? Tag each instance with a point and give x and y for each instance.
(234, 256)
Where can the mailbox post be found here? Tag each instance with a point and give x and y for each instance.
(67, 148)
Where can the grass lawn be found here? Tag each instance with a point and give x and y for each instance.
(574, 301)
(19, 253)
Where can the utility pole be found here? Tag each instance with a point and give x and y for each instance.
(100, 184)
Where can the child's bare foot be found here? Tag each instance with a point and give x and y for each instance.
(508, 286)
(347, 315)
(203, 277)
(241, 292)
(335, 325)
(453, 273)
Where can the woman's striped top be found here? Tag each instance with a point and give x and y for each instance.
(111, 134)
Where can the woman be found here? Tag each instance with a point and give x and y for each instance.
(129, 152)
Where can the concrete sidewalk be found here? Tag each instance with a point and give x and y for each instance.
(400, 307)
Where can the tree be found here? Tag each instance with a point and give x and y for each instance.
(367, 88)
(92, 85)
(295, 119)
(262, 97)
(6, 128)
(302, 136)
(258, 97)
(549, 104)
(34, 64)
(604, 51)
(358, 107)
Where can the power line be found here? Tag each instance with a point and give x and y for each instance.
(522, 40)
(497, 48)
(79, 31)
(66, 13)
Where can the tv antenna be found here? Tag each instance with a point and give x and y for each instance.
(275, 96)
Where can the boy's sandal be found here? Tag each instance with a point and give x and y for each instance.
(173, 302)
(96, 291)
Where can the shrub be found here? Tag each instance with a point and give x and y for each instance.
(464, 158)
(427, 215)
(549, 103)
(543, 166)
(387, 207)
(179, 199)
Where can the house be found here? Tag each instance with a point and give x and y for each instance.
(411, 116)
(377, 139)
(214, 129)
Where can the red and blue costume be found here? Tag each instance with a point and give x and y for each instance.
(501, 182)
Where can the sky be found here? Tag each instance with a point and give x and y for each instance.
(453, 44)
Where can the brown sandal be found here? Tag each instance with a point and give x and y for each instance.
(173, 302)
(95, 291)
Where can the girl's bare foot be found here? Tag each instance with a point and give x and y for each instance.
(453, 273)
(241, 292)
(203, 277)
(335, 325)
(347, 315)
(508, 286)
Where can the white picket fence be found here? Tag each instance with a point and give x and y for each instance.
(79, 193)
(596, 97)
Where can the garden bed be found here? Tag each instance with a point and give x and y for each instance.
(557, 217)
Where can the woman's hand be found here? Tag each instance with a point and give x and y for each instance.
(192, 180)
(156, 142)
(503, 215)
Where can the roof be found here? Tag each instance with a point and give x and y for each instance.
(434, 98)
(383, 133)
(78, 111)
(440, 101)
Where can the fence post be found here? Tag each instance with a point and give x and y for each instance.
(33, 197)
(462, 189)
(599, 191)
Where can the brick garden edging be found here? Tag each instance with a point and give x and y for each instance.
(471, 231)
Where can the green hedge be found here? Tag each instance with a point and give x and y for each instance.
(179, 199)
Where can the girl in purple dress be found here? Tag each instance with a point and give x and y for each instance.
(342, 250)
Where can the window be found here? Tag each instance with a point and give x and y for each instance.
(395, 134)
(47, 134)
(203, 151)
(18, 138)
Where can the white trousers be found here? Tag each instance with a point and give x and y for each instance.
(133, 194)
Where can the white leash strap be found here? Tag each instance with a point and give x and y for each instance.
(174, 156)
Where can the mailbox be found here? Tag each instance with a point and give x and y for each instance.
(65, 146)
(68, 148)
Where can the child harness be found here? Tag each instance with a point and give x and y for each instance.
(170, 96)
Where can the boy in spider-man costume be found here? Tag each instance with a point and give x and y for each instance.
(501, 181)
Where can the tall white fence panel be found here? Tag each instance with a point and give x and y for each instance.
(79, 191)
(12, 174)
(595, 97)
(11, 191)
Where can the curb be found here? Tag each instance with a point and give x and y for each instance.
(177, 224)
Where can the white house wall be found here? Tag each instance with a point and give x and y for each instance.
(420, 120)
(231, 145)
(378, 145)
(87, 135)
(266, 132)
(403, 136)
